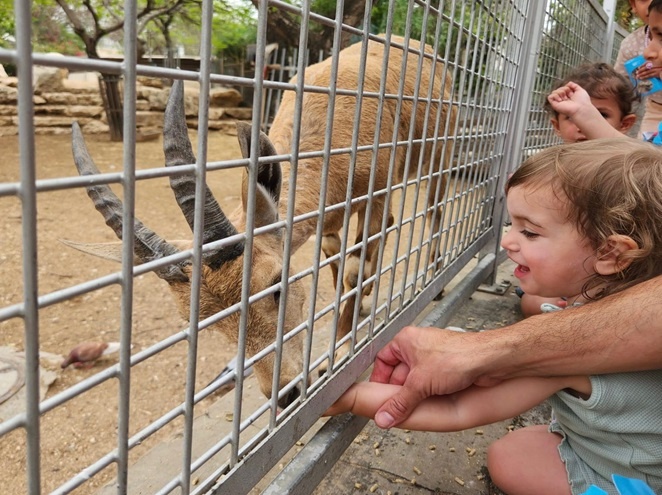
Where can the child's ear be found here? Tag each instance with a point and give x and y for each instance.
(610, 255)
(627, 122)
(555, 125)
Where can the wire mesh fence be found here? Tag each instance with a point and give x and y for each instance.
(364, 182)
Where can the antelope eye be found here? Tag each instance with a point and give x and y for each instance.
(276, 294)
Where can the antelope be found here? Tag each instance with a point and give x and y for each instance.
(223, 268)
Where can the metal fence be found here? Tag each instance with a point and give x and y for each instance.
(409, 161)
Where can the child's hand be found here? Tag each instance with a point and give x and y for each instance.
(344, 404)
(569, 99)
(647, 72)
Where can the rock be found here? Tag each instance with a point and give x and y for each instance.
(95, 127)
(149, 119)
(152, 82)
(8, 130)
(224, 97)
(8, 110)
(239, 113)
(10, 81)
(84, 111)
(59, 98)
(53, 131)
(48, 79)
(8, 95)
(216, 113)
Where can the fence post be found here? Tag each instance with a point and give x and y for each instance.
(609, 7)
(517, 124)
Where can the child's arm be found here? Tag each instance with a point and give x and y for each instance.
(574, 102)
(474, 406)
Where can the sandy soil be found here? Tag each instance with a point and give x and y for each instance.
(77, 433)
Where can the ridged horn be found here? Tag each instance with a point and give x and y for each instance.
(178, 151)
(148, 245)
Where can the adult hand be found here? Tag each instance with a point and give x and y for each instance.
(426, 361)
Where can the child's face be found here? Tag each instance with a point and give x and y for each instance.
(608, 108)
(640, 8)
(553, 258)
(653, 50)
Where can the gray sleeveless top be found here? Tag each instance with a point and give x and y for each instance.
(617, 430)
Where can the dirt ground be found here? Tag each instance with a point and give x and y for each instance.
(77, 433)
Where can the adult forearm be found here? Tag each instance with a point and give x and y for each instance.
(622, 332)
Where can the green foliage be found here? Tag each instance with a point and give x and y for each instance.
(7, 28)
(50, 32)
(625, 17)
(234, 27)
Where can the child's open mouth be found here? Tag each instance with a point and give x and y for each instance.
(521, 270)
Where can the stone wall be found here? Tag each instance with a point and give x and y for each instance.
(59, 100)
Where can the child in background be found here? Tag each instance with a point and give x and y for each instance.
(632, 46)
(610, 92)
(613, 96)
(572, 101)
(585, 225)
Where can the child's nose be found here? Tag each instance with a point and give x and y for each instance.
(507, 241)
(651, 51)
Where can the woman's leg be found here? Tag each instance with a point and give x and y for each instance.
(527, 461)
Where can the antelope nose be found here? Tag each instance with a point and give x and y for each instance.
(290, 397)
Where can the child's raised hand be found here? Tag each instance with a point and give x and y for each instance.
(569, 99)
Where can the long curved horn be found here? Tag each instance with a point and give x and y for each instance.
(178, 151)
(148, 245)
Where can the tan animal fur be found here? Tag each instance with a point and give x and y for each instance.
(223, 268)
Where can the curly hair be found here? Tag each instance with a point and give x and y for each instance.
(600, 80)
(609, 187)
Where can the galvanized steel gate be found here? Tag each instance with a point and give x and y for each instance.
(492, 63)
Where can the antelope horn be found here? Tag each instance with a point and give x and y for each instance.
(178, 151)
(148, 245)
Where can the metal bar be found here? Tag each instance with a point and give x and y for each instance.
(129, 186)
(28, 198)
(317, 457)
(522, 100)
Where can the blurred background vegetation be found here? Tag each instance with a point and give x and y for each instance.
(88, 27)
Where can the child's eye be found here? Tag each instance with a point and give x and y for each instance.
(528, 234)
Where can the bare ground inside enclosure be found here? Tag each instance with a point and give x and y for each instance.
(82, 430)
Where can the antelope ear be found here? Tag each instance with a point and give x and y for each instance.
(266, 209)
(113, 250)
(269, 177)
(107, 250)
(611, 257)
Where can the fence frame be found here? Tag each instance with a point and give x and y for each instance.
(307, 468)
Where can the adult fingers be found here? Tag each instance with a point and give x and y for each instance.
(398, 408)
(386, 362)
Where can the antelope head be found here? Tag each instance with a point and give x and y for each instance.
(222, 270)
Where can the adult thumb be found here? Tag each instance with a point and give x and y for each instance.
(398, 408)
